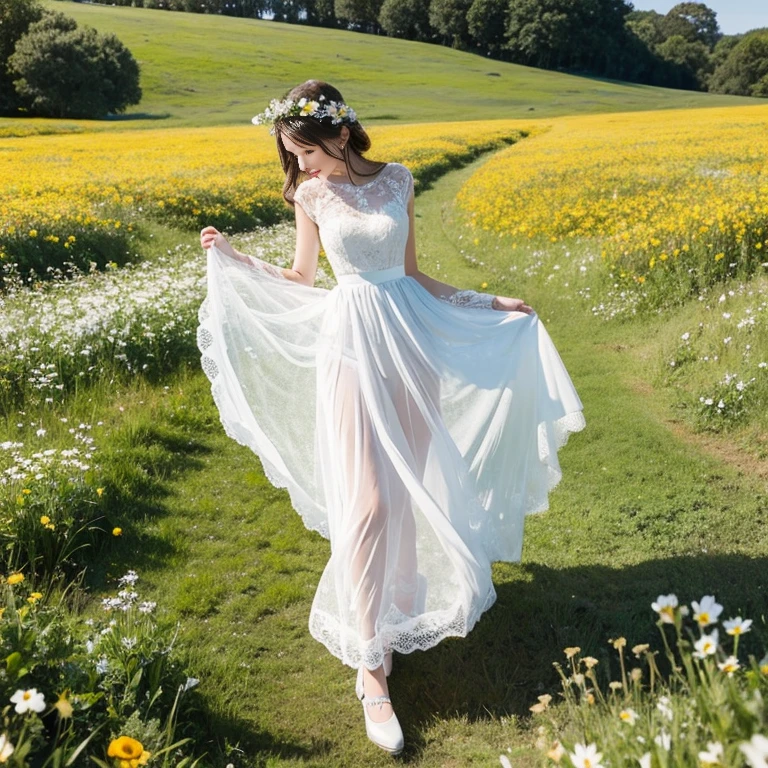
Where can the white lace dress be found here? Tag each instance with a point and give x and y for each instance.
(413, 433)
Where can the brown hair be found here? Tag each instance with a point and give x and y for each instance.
(320, 132)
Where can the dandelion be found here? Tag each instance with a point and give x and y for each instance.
(586, 756)
(15, 578)
(26, 700)
(665, 606)
(763, 665)
(706, 612)
(117, 531)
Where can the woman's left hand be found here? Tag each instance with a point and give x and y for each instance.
(506, 304)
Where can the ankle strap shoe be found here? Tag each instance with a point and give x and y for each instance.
(387, 735)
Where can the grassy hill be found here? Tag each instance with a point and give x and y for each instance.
(210, 70)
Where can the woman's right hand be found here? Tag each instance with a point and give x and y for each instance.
(211, 236)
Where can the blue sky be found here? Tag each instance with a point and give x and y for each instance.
(733, 16)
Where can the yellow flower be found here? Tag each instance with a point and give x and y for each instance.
(641, 279)
(34, 597)
(44, 519)
(719, 256)
(589, 661)
(99, 491)
(33, 233)
(615, 685)
(26, 490)
(16, 578)
(63, 706)
(618, 643)
(542, 705)
(50, 526)
(641, 648)
(483, 286)
(117, 531)
(571, 651)
(125, 748)
(556, 752)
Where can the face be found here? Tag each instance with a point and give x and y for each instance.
(312, 160)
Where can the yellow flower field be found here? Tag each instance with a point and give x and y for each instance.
(62, 193)
(651, 186)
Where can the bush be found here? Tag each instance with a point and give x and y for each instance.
(16, 16)
(64, 71)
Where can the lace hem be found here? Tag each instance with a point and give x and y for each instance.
(470, 299)
(398, 632)
(208, 360)
(560, 430)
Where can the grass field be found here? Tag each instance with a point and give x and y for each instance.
(212, 70)
(646, 505)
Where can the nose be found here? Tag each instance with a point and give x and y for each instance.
(302, 164)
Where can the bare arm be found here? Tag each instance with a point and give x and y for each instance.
(444, 290)
(304, 266)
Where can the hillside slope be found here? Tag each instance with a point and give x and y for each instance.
(208, 70)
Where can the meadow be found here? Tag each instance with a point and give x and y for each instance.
(178, 580)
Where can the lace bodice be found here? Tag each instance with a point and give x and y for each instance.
(363, 227)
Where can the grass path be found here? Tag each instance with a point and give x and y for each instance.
(639, 512)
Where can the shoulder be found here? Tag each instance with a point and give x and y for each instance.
(306, 195)
(402, 176)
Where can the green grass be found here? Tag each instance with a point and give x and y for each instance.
(209, 70)
(639, 512)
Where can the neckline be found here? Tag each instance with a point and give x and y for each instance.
(357, 186)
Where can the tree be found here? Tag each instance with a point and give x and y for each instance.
(65, 71)
(15, 18)
(406, 18)
(584, 35)
(362, 14)
(693, 22)
(690, 60)
(449, 19)
(486, 21)
(745, 70)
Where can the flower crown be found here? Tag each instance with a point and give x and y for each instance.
(336, 110)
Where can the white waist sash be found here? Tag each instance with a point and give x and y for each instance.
(372, 276)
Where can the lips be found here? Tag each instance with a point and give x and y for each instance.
(311, 174)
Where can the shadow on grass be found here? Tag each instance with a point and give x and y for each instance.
(506, 661)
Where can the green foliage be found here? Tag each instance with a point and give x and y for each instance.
(744, 70)
(707, 700)
(64, 71)
(406, 18)
(86, 681)
(15, 18)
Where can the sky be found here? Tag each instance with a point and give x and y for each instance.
(733, 16)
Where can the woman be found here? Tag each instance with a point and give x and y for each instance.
(414, 424)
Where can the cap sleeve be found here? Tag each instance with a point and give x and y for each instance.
(305, 197)
(405, 181)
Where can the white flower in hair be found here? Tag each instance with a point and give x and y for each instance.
(337, 111)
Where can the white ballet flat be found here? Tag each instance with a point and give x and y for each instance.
(387, 735)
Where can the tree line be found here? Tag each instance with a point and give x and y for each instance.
(683, 48)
